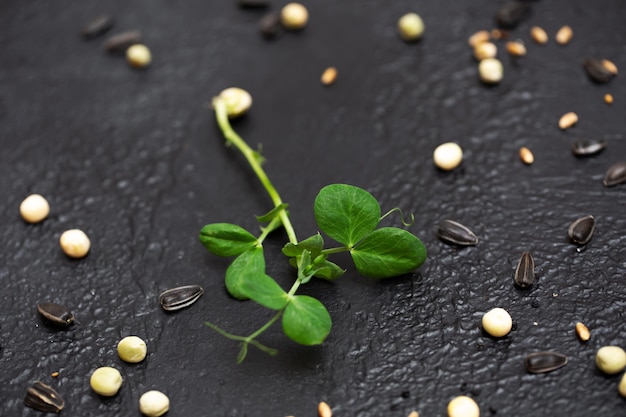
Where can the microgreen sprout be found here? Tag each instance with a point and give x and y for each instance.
(347, 214)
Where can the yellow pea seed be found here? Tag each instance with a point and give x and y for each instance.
(622, 386)
(411, 27)
(564, 35)
(484, 50)
(34, 208)
(568, 120)
(582, 331)
(608, 98)
(106, 381)
(516, 48)
(294, 16)
(538, 35)
(132, 349)
(75, 243)
(138, 56)
(324, 410)
(526, 155)
(478, 37)
(611, 359)
(329, 76)
(238, 101)
(463, 406)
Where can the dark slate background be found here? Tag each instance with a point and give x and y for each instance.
(134, 158)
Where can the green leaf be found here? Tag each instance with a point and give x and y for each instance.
(388, 252)
(313, 244)
(306, 320)
(346, 213)
(226, 239)
(247, 266)
(264, 290)
(327, 270)
(270, 215)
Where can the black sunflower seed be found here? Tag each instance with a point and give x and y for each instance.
(581, 230)
(119, 43)
(540, 362)
(615, 175)
(43, 398)
(180, 297)
(98, 26)
(525, 271)
(588, 147)
(55, 313)
(597, 71)
(453, 232)
(511, 14)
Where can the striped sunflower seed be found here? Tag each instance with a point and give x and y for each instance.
(540, 362)
(525, 271)
(453, 232)
(581, 230)
(588, 147)
(615, 175)
(180, 297)
(55, 313)
(43, 398)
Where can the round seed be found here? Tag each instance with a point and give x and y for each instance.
(538, 35)
(411, 27)
(526, 155)
(564, 35)
(516, 48)
(582, 331)
(324, 410)
(611, 359)
(294, 16)
(463, 406)
(448, 156)
(34, 208)
(484, 50)
(608, 98)
(622, 386)
(75, 243)
(106, 381)
(132, 349)
(478, 37)
(154, 403)
(238, 101)
(138, 56)
(490, 70)
(497, 322)
(329, 76)
(568, 120)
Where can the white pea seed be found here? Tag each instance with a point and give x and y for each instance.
(75, 243)
(539, 35)
(411, 27)
(622, 386)
(497, 322)
(138, 56)
(238, 101)
(611, 359)
(294, 16)
(324, 410)
(526, 155)
(329, 76)
(568, 120)
(582, 331)
(484, 50)
(564, 35)
(490, 70)
(132, 349)
(463, 406)
(154, 403)
(414, 414)
(516, 48)
(106, 381)
(478, 37)
(34, 208)
(448, 156)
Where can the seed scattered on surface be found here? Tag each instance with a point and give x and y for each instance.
(154, 403)
(511, 14)
(453, 232)
(106, 381)
(478, 37)
(132, 349)
(588, 147)
(180, 297)
(526, 155)
(413, 414)
(581, 230)
(541, 362)
(56, 314)
(597, 71)
(54, 374)
(525, 271)
(463, 406)
(516, 48)
(497, 322)
(490, 70)
(238, 101)
(34, 208)
(75, 243)
(253, 4)
(611, 359)
(269, 25)
(582, 331)
(622, 386)
(610, 66)
(138, 56)
(448, 156)
(484, 50)
(564, 35)
(608, 98)
(411, 27)
(294, 16)
(568, 120)
(98, 26)
(615, 175)
(329, 76)
(324, 410)
(122, 41)
(538, 35)
(498, 34)
(44, 398)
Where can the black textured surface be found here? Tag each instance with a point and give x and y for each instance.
(135, 159)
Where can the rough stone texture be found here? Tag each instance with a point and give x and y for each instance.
(135, 159)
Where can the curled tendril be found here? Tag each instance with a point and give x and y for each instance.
(404, 222)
